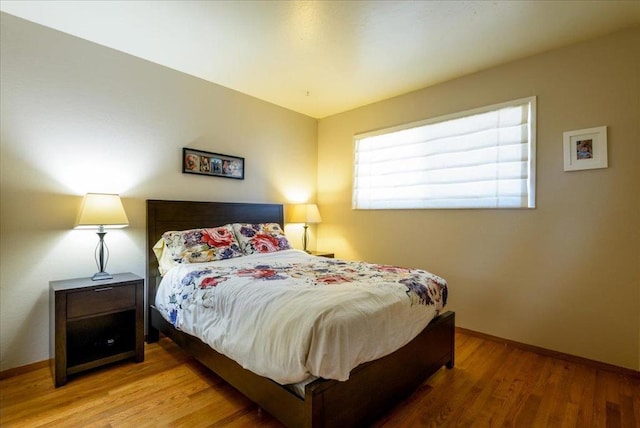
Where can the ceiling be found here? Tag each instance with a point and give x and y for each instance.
(324, 57)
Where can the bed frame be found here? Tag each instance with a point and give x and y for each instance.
(372, 389)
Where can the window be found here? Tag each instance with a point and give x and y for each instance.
(482, 158)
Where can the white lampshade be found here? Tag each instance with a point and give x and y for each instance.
(305, 213)
(101, 209)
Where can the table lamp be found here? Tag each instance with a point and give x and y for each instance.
(101, 211)
(307, 214)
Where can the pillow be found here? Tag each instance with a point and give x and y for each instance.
(260, 238)
(165, 262)
(201, 245)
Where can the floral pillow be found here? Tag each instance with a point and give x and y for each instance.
(260, 238)
(202, 245)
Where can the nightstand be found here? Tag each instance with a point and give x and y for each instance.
(322, 254)
(94, 323)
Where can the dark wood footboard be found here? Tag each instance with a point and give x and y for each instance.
(372, 389)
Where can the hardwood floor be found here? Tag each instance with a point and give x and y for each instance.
(492, 385)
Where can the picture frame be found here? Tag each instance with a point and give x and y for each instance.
(585, 149)
(212, 164)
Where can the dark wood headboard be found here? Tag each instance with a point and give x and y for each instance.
(163, 216)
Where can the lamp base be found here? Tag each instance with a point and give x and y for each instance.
(101, 275)
(305, 238)
(101, 253)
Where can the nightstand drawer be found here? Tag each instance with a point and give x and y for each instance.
(101, 299)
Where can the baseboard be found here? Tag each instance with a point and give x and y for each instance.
(555, 354)
(5, 374)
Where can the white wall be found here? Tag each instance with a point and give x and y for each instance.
(78, 117)
(564, 276)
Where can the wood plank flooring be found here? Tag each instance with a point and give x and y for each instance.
(492, 385)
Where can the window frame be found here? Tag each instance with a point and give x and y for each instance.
(531, 170)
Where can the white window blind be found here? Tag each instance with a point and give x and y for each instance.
(482, 158)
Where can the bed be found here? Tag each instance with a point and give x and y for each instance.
(372, 387)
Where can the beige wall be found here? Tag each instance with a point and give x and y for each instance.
(564, 276)
(78, 117)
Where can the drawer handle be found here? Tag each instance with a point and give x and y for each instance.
(103, 289)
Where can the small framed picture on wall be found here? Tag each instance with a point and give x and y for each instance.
(585, 149)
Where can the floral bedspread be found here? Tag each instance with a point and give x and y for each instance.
(290, 315)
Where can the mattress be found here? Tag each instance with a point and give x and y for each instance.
(291, 316)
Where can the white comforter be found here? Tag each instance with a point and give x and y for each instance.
(288, 315)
